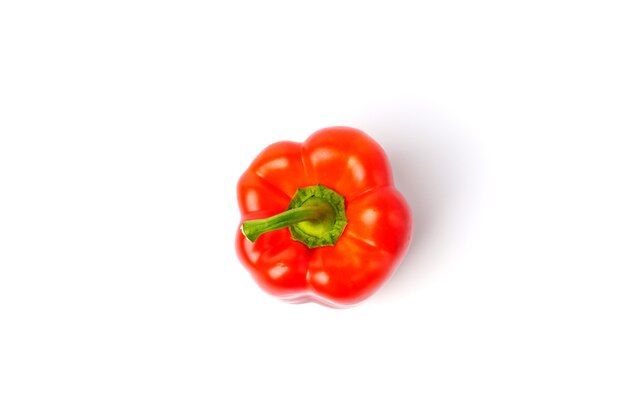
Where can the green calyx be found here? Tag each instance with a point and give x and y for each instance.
(316, 216)
(328, 227)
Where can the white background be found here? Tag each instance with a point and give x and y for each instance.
(124, 126)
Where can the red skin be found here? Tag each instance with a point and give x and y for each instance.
(379, 220)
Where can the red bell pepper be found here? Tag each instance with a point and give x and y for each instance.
(321, 220)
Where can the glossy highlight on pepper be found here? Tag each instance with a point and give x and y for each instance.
(322, 220)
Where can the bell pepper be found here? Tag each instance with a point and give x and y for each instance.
(321, 220)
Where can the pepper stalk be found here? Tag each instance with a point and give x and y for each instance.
(316, 216)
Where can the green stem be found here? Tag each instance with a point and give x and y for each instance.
(252, 229)
(316, 216)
